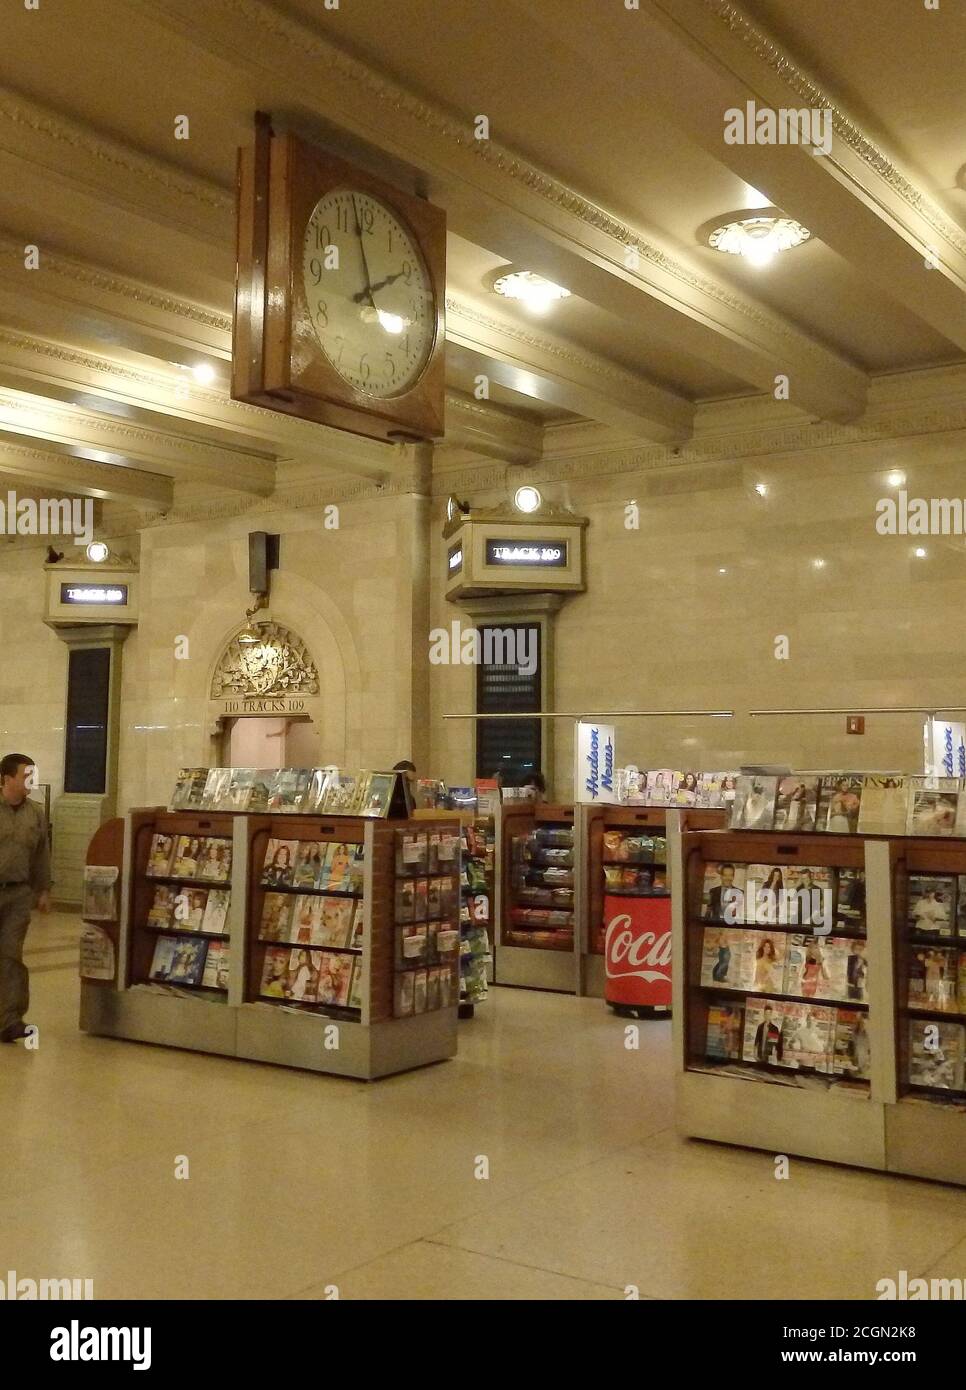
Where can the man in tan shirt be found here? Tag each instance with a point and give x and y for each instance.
(24, 882)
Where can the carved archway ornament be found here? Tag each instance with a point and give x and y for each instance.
(266, 669)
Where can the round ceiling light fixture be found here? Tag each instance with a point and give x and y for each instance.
(758, 239)
(530, 289)
(97, 552)
(527, 499)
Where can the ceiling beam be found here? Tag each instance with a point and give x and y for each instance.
(483, 428)
(505, 203)
(64, 473)
(551, 370)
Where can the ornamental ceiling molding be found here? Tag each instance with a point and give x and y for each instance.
(585, 361)
(69, 269)
(19, 112)
(460, 132)
(50, 458)
(278, 664)
(844, 127)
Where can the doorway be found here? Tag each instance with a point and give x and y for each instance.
(281, 742)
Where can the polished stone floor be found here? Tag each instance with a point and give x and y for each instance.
(300, 1185)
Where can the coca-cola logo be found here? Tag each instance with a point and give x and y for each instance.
(642, 954)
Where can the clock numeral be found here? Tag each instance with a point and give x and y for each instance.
(390, 241)
(368, 217)
(323, 238)
(365, 371)
(322, 312)
(342, 218)
(407, 272)
(390, 364)
(341, 341)
(315, 269)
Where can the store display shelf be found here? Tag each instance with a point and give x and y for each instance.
(634, 893)
(185, 931)
(316, 946)
(291, 891)
(794, 929)
(635, 863)
(822, 1000)
(935, 1015)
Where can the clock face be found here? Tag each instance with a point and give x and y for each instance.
(369, 293)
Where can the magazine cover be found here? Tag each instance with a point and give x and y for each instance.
(961, 902)
(217, 787)
(189, 908)
(932, 899)
(340, 793)
(754, 805)
(709, 789)
(405, 899)
(275, 972)
(936, 1054)
(188, 965)
(769, 961)
(357, 864)
(796, 804)
(728, 957)
(809, 896)
(884, 809)
(402, 1005)
(303, 977)
(762, 1041)
(355, 986)
(723, 893)
(933, 805)
(826, 967)
(378, 793)
(261, 790)
(314, 794)
(279, 868)
(289, 785)
(850, 900)
(162, 962)
(807, 1037)
(240, 788)
(933, 974)
(160, 856)
(187, 852)
(334, 978)
(422, 900)
(161, 911)
(840, 800)
(276, 917)
(686, 789)
(309, 864)
(305, 924)
(216, 913)
(337, 921)
(189, 789)
(419, 991)
(853, 1053)
(338, 869)
(765, 894)
(216, 966)
(725, 1026)
(661, 783)
(358, 925)
(215, 862)
(432, 989)
(100, 893)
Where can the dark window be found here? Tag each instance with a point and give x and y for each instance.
(513, 746)
(88, 691)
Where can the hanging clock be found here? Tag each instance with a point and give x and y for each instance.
(339, 297)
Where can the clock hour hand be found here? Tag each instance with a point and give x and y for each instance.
(389, 280)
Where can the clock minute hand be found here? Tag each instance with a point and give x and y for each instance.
(367, 292)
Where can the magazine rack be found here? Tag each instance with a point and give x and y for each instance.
(530, 955)
(885, 1123)
(365, 1042)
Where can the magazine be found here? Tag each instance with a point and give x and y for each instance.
(932, 903)
(354, 1000)
(240, 788)
(187, 853)
(723, 893)
(762, 1040)
(160, 856)
(724, 1030)
(217, 788)
(314, 794)
(337, 921)
(358, 925)
(378, 793)
(162, 961)
(278, 869)
(189, 909)
(289, 785)
(936, 1054)
(826, 967)
(303, 977)
(337, 874)
(275, 972)
(728, 958)
(807, 1036)
(850, 900)
(215, 862)
(260, 794)
(852, 1053)
(796, 804)
(335, 976)
(754, 805)
(933, 806)
(884, 808)
(305, 926)
(188, 964)
(100, 893)
(189, 791)
(216, 966)
(215, 919)
(933, 972)
(769, 961)
(161, 911)
(276, 917)
(309, 864)
(340, 793)
(839, 804)
(661, 785)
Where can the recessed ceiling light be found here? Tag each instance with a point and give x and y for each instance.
(920, 553)
(203, 373)
(758, 239)
(530, 289)
(896, 478)
(527, 499)
(761, 489)
(722, 571)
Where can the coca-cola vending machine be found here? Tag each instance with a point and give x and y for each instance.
(637, 954)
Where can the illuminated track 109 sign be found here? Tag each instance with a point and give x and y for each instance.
(536, 554)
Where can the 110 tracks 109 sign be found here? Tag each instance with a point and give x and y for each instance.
(339, 293)
(637, 951)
